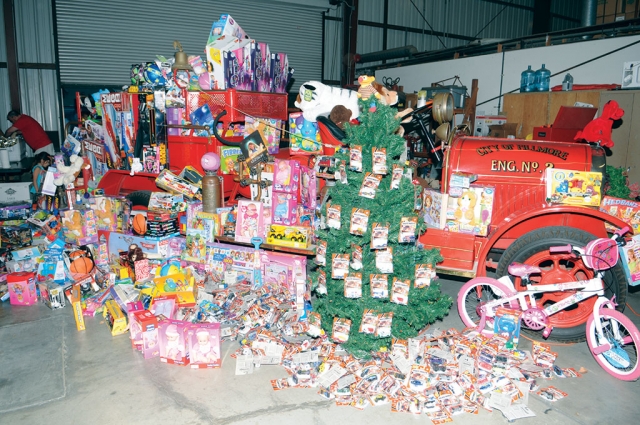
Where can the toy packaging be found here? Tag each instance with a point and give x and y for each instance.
(164, 305)
(225, 26)
(396, 176)
(144, 333)
(630, 259)
(52, 294)
(150, 158)
(286, 176)
(384, 260)
(359, 221)
(379, 286)
(625, 209)
(279, 72)
(75, 297)
(204, 345)
(229, 159)
(115, 318)
(283, 208)
(321, 253)
(369, 322)
(304, 137)
(79, 227)
(573, 187)
(308, 187)
(379, 156)
(356, 257)
(400, 291)
(471, 212)
(369, 186)
(423, 275)
(249, 222)
(355, 158)
(105, 210)
(507, 325)
(291, 236)
(333, 215)
(341, 329)
(384, 325)
(172, 183)
(353, 285)
(22, 288)
(230, 264)
(176, 116)
(173, 345)
(339, 265)
(432, 210)
(285, 270)
(239, 66)
(379, 235)
(269, 130)
(119, 242)
(407, 232)
(215, 59)
(262, 78)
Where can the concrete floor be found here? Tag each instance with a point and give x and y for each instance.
(50, 373)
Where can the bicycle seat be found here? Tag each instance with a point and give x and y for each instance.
(522, 270)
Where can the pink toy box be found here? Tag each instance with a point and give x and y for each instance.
(288, 270)
(173, 345)
(143, 330)
(204, 345)
(286, 176)
(250, 221)
(308, 187)
(22, 288)
(132, 307)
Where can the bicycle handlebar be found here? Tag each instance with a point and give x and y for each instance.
(622, 231)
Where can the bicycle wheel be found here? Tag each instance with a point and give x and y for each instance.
(474, 295)
(621, 360)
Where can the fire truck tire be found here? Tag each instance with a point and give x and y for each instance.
(533, 248)
(139, 198)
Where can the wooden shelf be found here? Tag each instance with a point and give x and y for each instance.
(301, 251)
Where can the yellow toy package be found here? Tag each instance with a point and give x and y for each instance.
(114, 317)
(573, 187)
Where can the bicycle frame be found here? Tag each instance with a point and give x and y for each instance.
(526, 299)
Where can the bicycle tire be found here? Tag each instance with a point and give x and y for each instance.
(629, 374)
(492, 284)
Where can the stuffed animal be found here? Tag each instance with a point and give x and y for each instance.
(68, 173)
(315, 98)
(136, 166)
(464, 214)
(73, 225)
(340, 115)
(599, 130)
(366, 89)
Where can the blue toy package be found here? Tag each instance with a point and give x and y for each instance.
(202, 116)
(507, 324)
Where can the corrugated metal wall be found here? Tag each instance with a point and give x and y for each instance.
(100, 50)
(458, 20)
(38, 87)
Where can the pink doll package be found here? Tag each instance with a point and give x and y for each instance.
(173, 344)
(287, 176)
(22, 288)
(284, 207)
(204, 345)
(249, 222)
(143, 329)
(308, 187)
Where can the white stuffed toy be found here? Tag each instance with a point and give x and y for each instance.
(316, 99)
(68, 173)
(136, 166)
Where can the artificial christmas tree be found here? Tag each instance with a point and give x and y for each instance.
(368, 258)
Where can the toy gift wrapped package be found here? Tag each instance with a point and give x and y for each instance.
(471, 212)
(173, 346)
(22, 288)
(204, 345)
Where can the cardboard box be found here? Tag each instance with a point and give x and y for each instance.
(79, 227)
(573, 187)
(115, 318)
(204, 345)
(624, 209)
(215, 59)
(13, 192)
(225, 26)
(144, 333)
(262, 78)
(76, 304)
(173, 345)
(504, 130)
(117, 242)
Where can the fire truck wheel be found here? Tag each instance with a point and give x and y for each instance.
(139, 198)
(533, 248)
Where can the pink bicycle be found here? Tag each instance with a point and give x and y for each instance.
(612, 338)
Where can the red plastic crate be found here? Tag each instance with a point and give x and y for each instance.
(239, 103)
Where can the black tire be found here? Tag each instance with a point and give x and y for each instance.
(539, 241)
(139, 198)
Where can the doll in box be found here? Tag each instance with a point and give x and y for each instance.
(282, 208)
(173, 349)
(464, 214)
(204, 350)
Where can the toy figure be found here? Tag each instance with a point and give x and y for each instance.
(136, 166)
(73, 225)
(366, 88)
(173, 348)
(283, 174)
(204, 351)
(281, 209)
(466, 203)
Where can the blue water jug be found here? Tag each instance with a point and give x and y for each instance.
(527, 80)
(543, 76)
